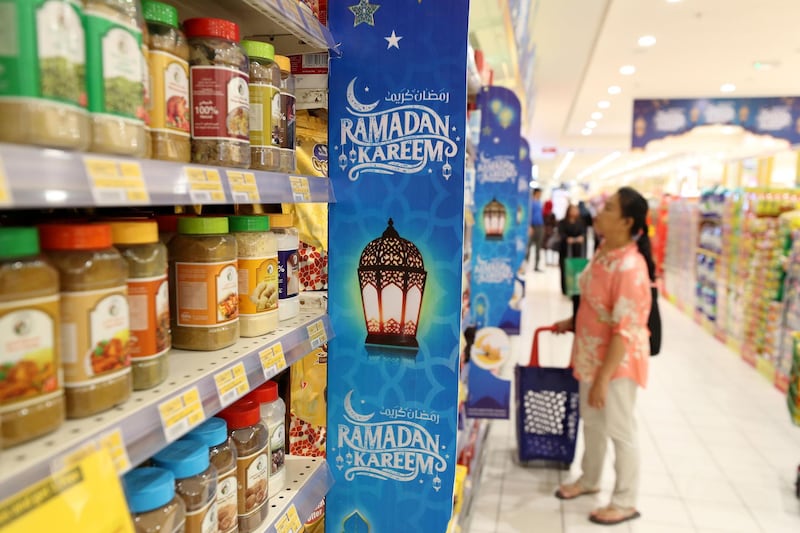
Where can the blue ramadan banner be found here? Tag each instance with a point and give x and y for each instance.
(658, 119)
(397, 137)
(513, 317)
(495, 252)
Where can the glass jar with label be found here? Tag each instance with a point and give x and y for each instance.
(31, 392)
(222, 454)
(251, 439)
(195, 482)
(220, 100)
(154, 507)
(203, 284)
(288, 129)
(288, 265)
(169, 80)
(148, 299)
(273, 415)
(265, 106)
(42, 88)
(258, 274)
(115, 77)
(95, 322)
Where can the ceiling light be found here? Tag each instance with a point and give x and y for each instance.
(727, 87)
(563, 165)
(586, 131)
(647, 40)
(627, 70)
(765, 65)
(674, 1)
(603, 104)
(591, 124)
(597, 115)
(614, 89)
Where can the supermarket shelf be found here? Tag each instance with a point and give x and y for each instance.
(46, 178)
(307, 482)
(141, 426)
(708, 253)
(291, 28)
(474, 478)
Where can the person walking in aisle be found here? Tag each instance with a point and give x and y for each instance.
(537, 227)
(611, 352)
(572, 232)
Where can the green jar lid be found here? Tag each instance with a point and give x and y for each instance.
(202, 225)
(248, 223)
(259, 49)
(158, 12)
(18, 242)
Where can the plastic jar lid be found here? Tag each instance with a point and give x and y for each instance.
(140, 232)
(202, 225)
(259, 49)
(208, 27)
(18, 242)
(158, 12)
(242, 414)
(284, 64)
(75, 236)
(184, 458)
(281, 220)
(212, 432)
(266, 393)
(167, 223)
(248, 223)
(148, 488)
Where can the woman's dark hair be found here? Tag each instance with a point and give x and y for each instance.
(633, 205)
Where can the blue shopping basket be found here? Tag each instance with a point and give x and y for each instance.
(547, 410)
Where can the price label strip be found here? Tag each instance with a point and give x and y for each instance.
(114, 444)
(116, 181)
(231, 384)
(289, 522)
(181, 413)
(273, 360)
(316, 334)
(300, 189)
(244, 187)
(205, 185)
(5, 192)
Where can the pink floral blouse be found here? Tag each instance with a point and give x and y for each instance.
(615, 299)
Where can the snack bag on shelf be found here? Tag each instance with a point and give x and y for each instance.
(793, 396)
(308, 425)
(315, 522)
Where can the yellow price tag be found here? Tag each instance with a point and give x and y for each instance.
(232, 384)
(181, 413)
(205, 185)
(244, 187)
(300, 189)
(114, 444)
(5, 192)
(316, 334)
(273, 360)
(115, 181)
(289, 522)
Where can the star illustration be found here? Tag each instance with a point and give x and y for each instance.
(393, 40)
(497, 140)
(364, 12)
(487, 131)
(366, 89)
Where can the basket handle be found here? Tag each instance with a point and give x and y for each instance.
(535, 346)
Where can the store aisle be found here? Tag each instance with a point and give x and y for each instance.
(718, 450)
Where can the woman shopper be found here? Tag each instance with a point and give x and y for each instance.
(572, 232)
(611, 352)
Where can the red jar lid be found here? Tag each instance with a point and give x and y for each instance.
(208, 27)
(75, 236)
(266, 393)
(242, 414)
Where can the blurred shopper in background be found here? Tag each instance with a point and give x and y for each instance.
(536, 231)
(572, 235)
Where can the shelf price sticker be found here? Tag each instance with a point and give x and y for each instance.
(114, 444)
(5, 192)
(231, 384)
(181, 413)
(316, 334)
(116, 181)
(205, 185)
(289, 522)
(243, 187)
(273, 360)
(301, 192)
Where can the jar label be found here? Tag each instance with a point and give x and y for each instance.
(277, 444)
(227, 504)
(278, 126)
(147, 85)
(95, 336)
(29, 365)
(288, 120)
(207, 293)
(148, 299)
(114, 68)
(288, 273)
(258, 285)
(169, 75)
(46, 61)
(220, 103)
(253, 475)
(203, 520)
(261, 114)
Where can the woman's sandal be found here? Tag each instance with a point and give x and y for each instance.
(618, 516)
(580, 491)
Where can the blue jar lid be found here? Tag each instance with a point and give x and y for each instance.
(212, 432)
(148, 488)
(184, 458)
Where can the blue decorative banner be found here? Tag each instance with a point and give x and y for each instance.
(657, 119)
(489, 396)
(494, 257)
(397, 137)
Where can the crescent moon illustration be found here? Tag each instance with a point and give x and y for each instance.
(348, 408)
(354, 103)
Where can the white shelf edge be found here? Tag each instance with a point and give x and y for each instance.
(138, 420)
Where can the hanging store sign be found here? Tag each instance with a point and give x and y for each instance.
(397, 137)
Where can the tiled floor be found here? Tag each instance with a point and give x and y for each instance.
(718, 450)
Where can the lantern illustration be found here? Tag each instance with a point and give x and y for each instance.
(342, 160)
(437, 483)
(339, 461)
(447, 170)
(353, 155)
(349, 458)
(494, 220)
(392, 276)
